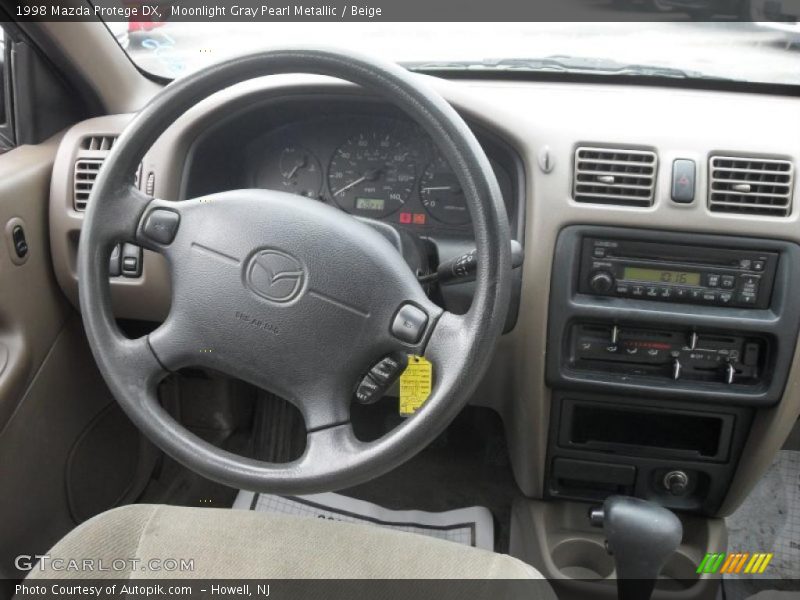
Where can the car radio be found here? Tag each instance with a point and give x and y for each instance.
(677, 273)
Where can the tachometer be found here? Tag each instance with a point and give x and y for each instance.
(441, 193)
(372, 174)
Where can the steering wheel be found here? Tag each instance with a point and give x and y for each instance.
(287, 293)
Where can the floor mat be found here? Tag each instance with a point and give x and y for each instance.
(769, 521)
(472, 526)
(467, 465)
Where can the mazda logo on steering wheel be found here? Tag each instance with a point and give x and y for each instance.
(275, 275)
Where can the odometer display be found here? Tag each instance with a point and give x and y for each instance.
(372, 174)
(370, 204)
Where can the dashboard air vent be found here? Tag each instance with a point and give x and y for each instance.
(98, 142)
(150, 184)
(86, 170)
(614, 176)
(756, 186)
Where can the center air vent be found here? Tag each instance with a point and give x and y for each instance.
(614, 176)
(86, 170)
(98, 142)
(756, 186)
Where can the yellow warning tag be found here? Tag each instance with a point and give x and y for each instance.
(415, 385)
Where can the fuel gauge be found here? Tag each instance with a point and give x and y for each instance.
(300, 172)
(441, 194)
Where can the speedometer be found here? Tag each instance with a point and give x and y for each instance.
(372, 174)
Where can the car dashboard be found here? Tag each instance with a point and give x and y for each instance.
(616, 370)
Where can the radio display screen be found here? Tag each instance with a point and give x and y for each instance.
(659, 276)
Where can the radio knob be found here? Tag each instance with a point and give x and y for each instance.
(601, 282)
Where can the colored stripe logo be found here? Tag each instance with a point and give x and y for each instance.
(735, 563)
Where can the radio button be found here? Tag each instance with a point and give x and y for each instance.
(746, 298)
(758, 265)
(665, 292)
(623, 290)
(682, 293)
(652, 291)
(749, 284)
(599, 252)
(601, 282)
(725, 297)
(750, 279)
(728, 282)
(637, 291)
(709, 297)
(712, 280)
(696, 294)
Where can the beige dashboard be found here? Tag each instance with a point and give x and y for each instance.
(533, 118)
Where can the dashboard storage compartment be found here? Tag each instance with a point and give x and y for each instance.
(593, 479)
(680, 455)
(639, 431)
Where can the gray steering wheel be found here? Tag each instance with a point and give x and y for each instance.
(287, 293)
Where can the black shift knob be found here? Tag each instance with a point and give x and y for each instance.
(641, 536)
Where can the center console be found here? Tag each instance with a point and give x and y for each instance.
(661, 347)
(659, 353)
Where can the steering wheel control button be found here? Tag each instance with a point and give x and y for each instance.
(389, 368)
(380, 378)
(409, 324)
(115, 262)
(161, 226)
(683, 172)
(368, 391)
(131, 260)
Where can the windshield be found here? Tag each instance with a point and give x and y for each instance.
(744, 51)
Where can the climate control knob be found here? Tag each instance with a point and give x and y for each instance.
(601, 282)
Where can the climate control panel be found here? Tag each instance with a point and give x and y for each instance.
(670, 354)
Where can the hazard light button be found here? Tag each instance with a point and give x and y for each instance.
(683, 171)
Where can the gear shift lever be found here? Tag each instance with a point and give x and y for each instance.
(641, 536)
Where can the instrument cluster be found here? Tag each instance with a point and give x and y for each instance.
(370, 166)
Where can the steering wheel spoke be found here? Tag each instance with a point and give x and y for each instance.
(120, 212)
(336, 445)
(448, 337)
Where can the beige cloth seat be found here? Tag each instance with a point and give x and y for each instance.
(244, 544)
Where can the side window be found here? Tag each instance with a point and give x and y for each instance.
(3, 76)
(6, 135)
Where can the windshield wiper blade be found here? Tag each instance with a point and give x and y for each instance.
(562, 64)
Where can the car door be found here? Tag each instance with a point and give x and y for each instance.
(59, 424)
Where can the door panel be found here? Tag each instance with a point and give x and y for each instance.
(32, 307)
